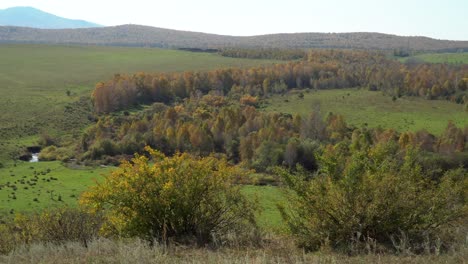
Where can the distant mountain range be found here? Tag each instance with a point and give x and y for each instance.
(35, 26)
(35, 18)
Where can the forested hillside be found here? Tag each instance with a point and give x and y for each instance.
(134, 35)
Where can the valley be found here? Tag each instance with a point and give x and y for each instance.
(132, 143)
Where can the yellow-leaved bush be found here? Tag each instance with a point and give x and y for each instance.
(181, 198)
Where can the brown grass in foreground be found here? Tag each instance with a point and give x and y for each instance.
(136, 251)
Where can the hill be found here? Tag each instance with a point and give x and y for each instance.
(35, 18)
(135, 35)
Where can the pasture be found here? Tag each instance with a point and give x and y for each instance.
(29, 187)
(365, 108)
(451, 58)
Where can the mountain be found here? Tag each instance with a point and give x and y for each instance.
(144, 36)
(35, 18)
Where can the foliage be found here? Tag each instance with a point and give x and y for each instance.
(172, 198)
(244, 134)
(373, 194)
(249, 100)
(55, 226)
(56, 153)
(257, 139)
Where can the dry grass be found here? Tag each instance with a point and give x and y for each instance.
(136, 251)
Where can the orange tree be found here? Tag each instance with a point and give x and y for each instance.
(177, 198)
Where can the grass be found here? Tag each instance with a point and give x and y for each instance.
(136, 251)
(29, 187)
(268, 198)
(452, 58)
(34, 80)
(361, 107)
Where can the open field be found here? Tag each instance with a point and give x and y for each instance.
(40, 85)
(360, 107)
(454, 58)
(34, 186)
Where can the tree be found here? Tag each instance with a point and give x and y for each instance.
(463, 84)
(172, 198)
(266, 85)
(452, 139)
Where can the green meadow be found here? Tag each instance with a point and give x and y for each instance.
(29, 187)
(361, 107)
(452, 58)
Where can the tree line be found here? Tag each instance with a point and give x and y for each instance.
(320, 69)
(264, 53)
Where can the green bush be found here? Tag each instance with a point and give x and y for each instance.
(46, 140)
(179, 198)
(373, 197)
(55, 153)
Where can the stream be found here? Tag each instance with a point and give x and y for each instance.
(35, 157)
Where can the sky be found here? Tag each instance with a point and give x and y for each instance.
(441, 19)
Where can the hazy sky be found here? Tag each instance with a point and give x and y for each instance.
(443, 19)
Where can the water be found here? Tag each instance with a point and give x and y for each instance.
(35, 157)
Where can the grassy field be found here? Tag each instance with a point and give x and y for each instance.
(454, 58)
(29, 187)
(361, 107)
(41, 84)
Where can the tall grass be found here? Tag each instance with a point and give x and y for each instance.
(137, 251)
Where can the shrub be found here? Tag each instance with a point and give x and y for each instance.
(46, 140)
(249, 100)
(62, 225)
(374, 195)
(51, 226)
(172, 198)
(55, 153)
(269, 154)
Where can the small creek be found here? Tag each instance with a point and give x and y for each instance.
(34, 157)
